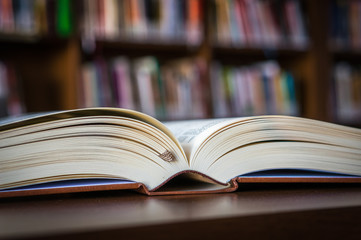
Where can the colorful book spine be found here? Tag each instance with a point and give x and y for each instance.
(259, 23)
(174, 90)
(347, 94)
(345, 17)
(36, 17)
(11, 103)
(64, 21)
(262, 88)
(143, 20)
(122, 83)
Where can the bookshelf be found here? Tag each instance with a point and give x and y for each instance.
(344, 47)
(49, 63)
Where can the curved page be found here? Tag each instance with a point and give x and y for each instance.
(88, 143)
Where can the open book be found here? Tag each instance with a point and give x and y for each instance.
(108, 148)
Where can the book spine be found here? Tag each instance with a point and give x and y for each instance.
(36, 18)
(140, 20)
(345, 24)
(252, 90)
(194, 22)
(7, 16)
(259, 23)
(64, 22)
(347, 82)
(122, 83)
(11, 97)
(173, 90)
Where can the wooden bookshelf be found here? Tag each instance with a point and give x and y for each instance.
(49, 67)
(343, 47)
(112, 48)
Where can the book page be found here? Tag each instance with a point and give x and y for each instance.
(193, 133)
(97, 143)
(36, 118)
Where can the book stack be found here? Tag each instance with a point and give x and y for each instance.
(345, 28)
(35, 17)
(259, 23)
(144, 20)
(185, 89)
(10, 97)
(347, 81)
(174, 90)
(262, 88)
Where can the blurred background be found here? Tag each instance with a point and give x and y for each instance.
(183, 59)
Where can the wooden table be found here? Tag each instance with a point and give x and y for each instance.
(262, 210)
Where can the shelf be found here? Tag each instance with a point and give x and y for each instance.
(265, 51)
(54, 61)
(19, 38)
(347, 52)
(154, 45)
(30, 39)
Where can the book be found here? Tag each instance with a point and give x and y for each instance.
(11, 103)
(347, 93)
(149, 21)
(261, 88)
(112, 148)
(259, 23)
(344, 24)
(36, 19)
(170, 90)
(64, 22)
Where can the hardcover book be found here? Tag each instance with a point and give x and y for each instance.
(111, 149)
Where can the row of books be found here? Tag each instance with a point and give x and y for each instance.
(262, 88)
(259, 23)
(10, 92)
(347, 82)
(36, 17)
(178, 89)
(143, 20)
(174, 90)
(345, 17)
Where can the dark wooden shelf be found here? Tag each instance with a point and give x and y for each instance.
(19, 38)
(137, 47)
(152, 44)
(267, 52)
(11, 40)
(344, 52)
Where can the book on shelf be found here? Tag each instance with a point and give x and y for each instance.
(149, 86)
(177, 89)
(259, 23)
(11, 103)
(64, 17)
(185, 87)
(347, 93)
(109, 148)
(122, 85)
(345, 24)
(143, 20)
(171, 90)
(262, 88)
(36, 18)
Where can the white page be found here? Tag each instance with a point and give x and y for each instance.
(192, 133)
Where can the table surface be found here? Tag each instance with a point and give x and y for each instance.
(255, 209)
